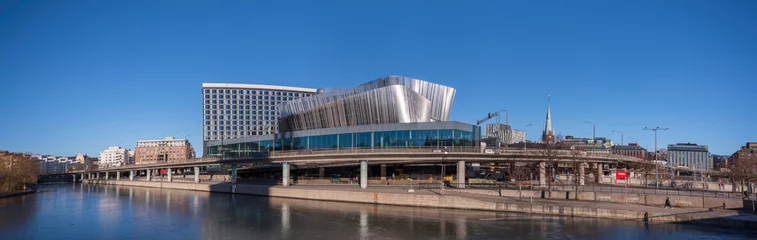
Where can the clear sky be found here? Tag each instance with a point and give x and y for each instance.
(79, 76)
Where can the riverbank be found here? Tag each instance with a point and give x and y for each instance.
(7, 195)
(468, 201)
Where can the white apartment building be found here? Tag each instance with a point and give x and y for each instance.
(114, 157)
(53, 164)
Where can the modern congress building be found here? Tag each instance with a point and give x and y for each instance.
(389, 112)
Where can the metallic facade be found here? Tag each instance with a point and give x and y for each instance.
(386, 100)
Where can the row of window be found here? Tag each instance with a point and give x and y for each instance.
(247, 102)
(230, 105)
(247, 127)
(404, 138)
(259, 92)
(247, 97)
(235, 117)
(248, 112)
(228, 122)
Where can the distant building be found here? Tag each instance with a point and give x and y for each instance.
(131, 157)
(113, 157)
(52, 164)
(508, 135)
(80, 158)
(720, 161)
(746, 151)
(689, 155)
(631, 150)
(165, 150)
(587, 144)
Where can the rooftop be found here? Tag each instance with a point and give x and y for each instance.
(258, 87)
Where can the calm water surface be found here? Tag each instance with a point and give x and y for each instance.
(76, 211)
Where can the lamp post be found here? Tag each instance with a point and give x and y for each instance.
(594, 135)
(657, 173)
(621, 136)
(526, 140)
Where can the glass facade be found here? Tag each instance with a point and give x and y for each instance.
(374, 140)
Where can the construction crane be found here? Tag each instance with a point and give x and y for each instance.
(499, 127)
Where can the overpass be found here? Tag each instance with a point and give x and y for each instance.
(378, 156)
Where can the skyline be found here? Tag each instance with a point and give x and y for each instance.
(77, 85)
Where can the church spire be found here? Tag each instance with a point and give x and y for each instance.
(549, 134)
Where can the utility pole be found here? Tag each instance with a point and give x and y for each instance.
(594, 135)
(621, 136)
(656, 170)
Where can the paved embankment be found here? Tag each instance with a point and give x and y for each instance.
(462, 200)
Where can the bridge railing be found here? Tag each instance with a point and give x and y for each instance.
(591, 188)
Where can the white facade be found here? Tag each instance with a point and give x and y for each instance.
(241, 110)
(114, 157)
(52, 164)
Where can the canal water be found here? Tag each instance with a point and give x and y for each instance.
(77, 211)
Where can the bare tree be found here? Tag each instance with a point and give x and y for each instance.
(519, 172)
(551, 154)
(743, 171)
(16, 170)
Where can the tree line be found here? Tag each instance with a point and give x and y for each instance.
(16, 170)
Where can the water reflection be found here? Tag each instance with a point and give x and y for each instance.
(120, 212)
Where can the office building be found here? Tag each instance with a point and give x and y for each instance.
(241, 110)
(53, 164)
(748, 151)
(114, 157)
(631, 150)
(689, 155)
(389, 112)
(508, 135)
(165, 150)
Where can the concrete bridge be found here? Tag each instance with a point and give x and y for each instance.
(364, 157)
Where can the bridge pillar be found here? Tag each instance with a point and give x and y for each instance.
(82, 177)
(118, 175)
(107, 175)
(197, 174)
(322, 172)
(170, 175)
(233, 173)
(460, 174)
(149, 175)
(363, 174)
(383, 171)
(599, 173)
(131, 175)
(542, 174)
(581, 174)
(285, 174)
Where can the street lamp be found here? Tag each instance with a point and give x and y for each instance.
(657, 173)
(526, 140)
(621, 136)
(594, 136)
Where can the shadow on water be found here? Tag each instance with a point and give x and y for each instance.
(79, 211)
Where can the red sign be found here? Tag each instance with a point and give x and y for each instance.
(621, 175)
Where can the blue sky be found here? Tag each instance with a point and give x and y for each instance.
(79, 76)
